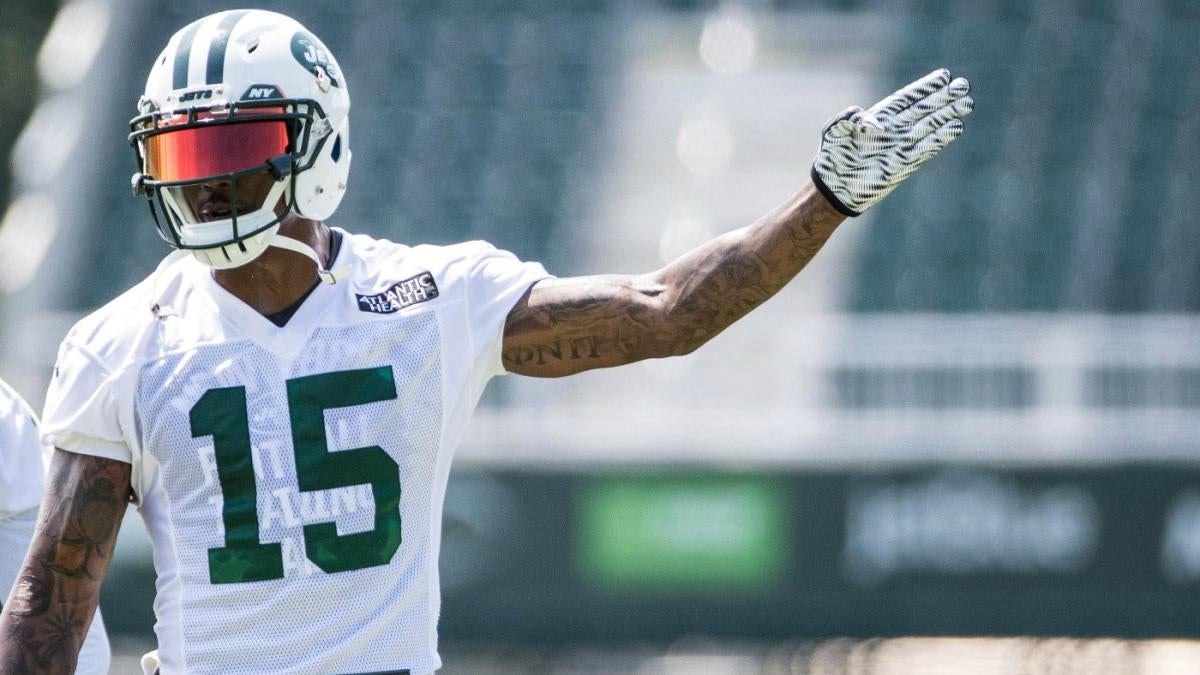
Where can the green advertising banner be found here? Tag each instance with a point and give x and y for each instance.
(683, 533)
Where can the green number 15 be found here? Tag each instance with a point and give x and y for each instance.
(221, 413)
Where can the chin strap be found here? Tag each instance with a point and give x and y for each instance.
(328, 276)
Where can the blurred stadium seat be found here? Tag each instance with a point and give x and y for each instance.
(1094, 96)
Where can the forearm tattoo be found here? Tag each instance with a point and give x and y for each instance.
(571, 325)
(56, 592)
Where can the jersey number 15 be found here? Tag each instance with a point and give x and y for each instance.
(222, 414)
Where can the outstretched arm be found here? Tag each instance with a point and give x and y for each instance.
(566, 326)
(57, 590)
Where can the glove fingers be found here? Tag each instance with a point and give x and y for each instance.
(904, 97)
(865, 154)
(955, 90)
(841, 124)
(929, 146)
(940, 117)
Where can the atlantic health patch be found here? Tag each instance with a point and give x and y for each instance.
(411, 291)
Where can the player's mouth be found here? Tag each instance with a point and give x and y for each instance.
(215, 209)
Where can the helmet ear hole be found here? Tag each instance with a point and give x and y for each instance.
(336, 153)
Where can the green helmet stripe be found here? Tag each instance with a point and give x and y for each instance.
(183, 54)
(215, 72)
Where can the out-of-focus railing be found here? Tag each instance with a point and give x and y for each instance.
(1021, 388)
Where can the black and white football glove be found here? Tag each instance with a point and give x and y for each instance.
(865, 154)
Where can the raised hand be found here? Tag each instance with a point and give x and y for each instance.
(865, 154)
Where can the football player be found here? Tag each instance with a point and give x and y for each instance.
(281, 398)
(21, 475)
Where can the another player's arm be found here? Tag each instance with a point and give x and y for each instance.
(57, 590)
(566, 326)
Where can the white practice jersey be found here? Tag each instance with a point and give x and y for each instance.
(21, 476)
(292, 478)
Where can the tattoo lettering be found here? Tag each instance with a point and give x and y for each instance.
(576, 348)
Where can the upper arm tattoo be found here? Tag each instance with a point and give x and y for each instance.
(723, 280)
(56, 592)
(565, 326)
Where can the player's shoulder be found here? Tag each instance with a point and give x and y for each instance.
(454, 262)
(111, 329)
(124, 328)
(378, 258)
(374, 250)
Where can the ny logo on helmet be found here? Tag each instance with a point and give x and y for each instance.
(260, 92)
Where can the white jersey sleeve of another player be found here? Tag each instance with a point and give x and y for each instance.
(21, 478)
(95, 655)
(20, 455)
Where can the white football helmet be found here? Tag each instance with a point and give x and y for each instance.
(251, 99)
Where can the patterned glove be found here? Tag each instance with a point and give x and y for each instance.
(865, 154)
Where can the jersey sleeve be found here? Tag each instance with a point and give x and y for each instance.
(16, 531)
(95, 656)
(496, 280)
(82, 412)
(20, 455)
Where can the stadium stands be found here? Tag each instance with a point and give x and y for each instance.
(1065, 195)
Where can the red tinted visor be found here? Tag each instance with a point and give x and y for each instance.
(214, 149)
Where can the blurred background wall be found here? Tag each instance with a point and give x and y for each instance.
(975, 412)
